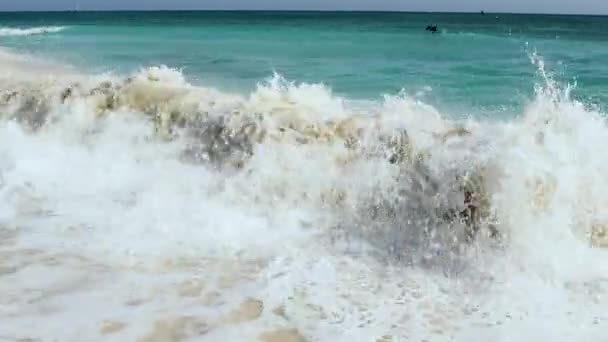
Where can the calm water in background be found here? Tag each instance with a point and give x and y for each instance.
(475, 64)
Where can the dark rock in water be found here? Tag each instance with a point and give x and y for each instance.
(432, 28)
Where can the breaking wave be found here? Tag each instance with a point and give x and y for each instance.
(11, 31)
(153, 167)
(425, 164)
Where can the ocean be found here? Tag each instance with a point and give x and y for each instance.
(303, 176)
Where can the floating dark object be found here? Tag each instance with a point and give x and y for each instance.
(432, 28)
(483, 13)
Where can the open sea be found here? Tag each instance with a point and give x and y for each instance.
(303, 176)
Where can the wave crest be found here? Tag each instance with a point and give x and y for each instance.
(395, 173)
(11, 31)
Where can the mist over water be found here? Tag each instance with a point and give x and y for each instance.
(139, 206)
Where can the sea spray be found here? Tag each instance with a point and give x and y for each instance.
(342, 221)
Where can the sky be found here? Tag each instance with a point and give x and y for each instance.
(525, 6)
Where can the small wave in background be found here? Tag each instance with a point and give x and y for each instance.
(30, 31)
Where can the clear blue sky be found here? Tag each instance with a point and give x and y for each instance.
(536, 6)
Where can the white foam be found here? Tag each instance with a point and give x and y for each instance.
(30, 31)
(112, 212)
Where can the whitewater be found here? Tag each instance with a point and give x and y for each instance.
(13, 31)
(144, 207)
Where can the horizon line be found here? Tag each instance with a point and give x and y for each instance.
(301, 11)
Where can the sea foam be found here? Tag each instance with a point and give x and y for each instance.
(238, 216)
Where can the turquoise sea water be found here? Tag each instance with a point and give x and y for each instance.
(476, 64)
